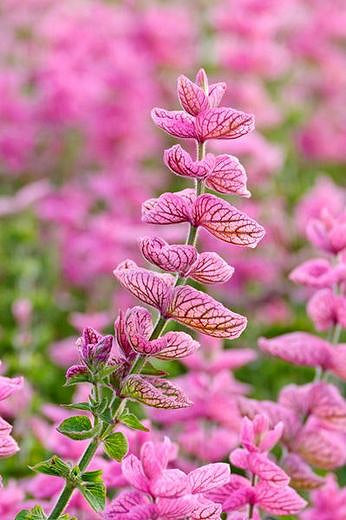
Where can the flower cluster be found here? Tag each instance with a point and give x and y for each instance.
(269, 488)
(160, 492)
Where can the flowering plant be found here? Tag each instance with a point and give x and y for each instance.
(122, 372)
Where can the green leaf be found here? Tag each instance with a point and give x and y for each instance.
(78, 427)
(53, 466)
(36, 513)
(22, 515)
(67, 517)
(132, 421)
(107, 371)
(116, 446)
(92, 476)
(150, 370)
(78, 406)
(78, 378)
(95, 494)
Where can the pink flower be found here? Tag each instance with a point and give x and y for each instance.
(327, 502)
(175, 494)
(256, 436)
(327, 309)
(203, 119)
(317, 273)
(328, 232)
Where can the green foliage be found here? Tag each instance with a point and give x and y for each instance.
(36, 513)
(116, 446)
(54, 466)
(78, 428)
(132, 421)
(93, 489)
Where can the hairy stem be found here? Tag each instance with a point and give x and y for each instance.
(136, 368)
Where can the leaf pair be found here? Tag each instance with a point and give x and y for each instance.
(154, 391)
(222, 173)
(206, 268)
(213, 123)
(208, 211)
(184, 304)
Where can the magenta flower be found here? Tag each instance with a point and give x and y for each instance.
(222, 173)
(174, 494)
(327, 309)
(328, 232)
(256, 435)
(328, 502)
(94, 348)
(202, 119)
(206, 267)
(208, 211)
(269, 489)
(183, 303)
(317, 273)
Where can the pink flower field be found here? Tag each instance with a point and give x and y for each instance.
(173, 260)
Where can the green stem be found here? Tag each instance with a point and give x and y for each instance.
(136, 368)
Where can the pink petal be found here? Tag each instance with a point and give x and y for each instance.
(225, 222)
(201, 312)
(176, 123)
(321, 448)
(209, 477)
(321, 309)
(172, 483)
(299, 348)
(172, 258)
(210, 268)
(149, 287)
(132, 470)
(223, 123)
(216, 92)
(177, 345)
(222, 494)
(181, 163)
(8, 446)
(238, 499)
(176, 509)
(300, 473)
(121, 335)
(316, 273)
(139, 328)
(207, 511)
(5, 428)
(338, 361)
(9, 386)
(124, 503)
(155, 392)
(192, 97)
(228, 176)
(155, 457)
(169, 208)
(272, 437)
(260, 465)
(278, 500)
(202, 80)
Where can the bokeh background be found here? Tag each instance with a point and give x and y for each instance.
(79, 153)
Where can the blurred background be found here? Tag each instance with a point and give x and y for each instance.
(79, 154)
